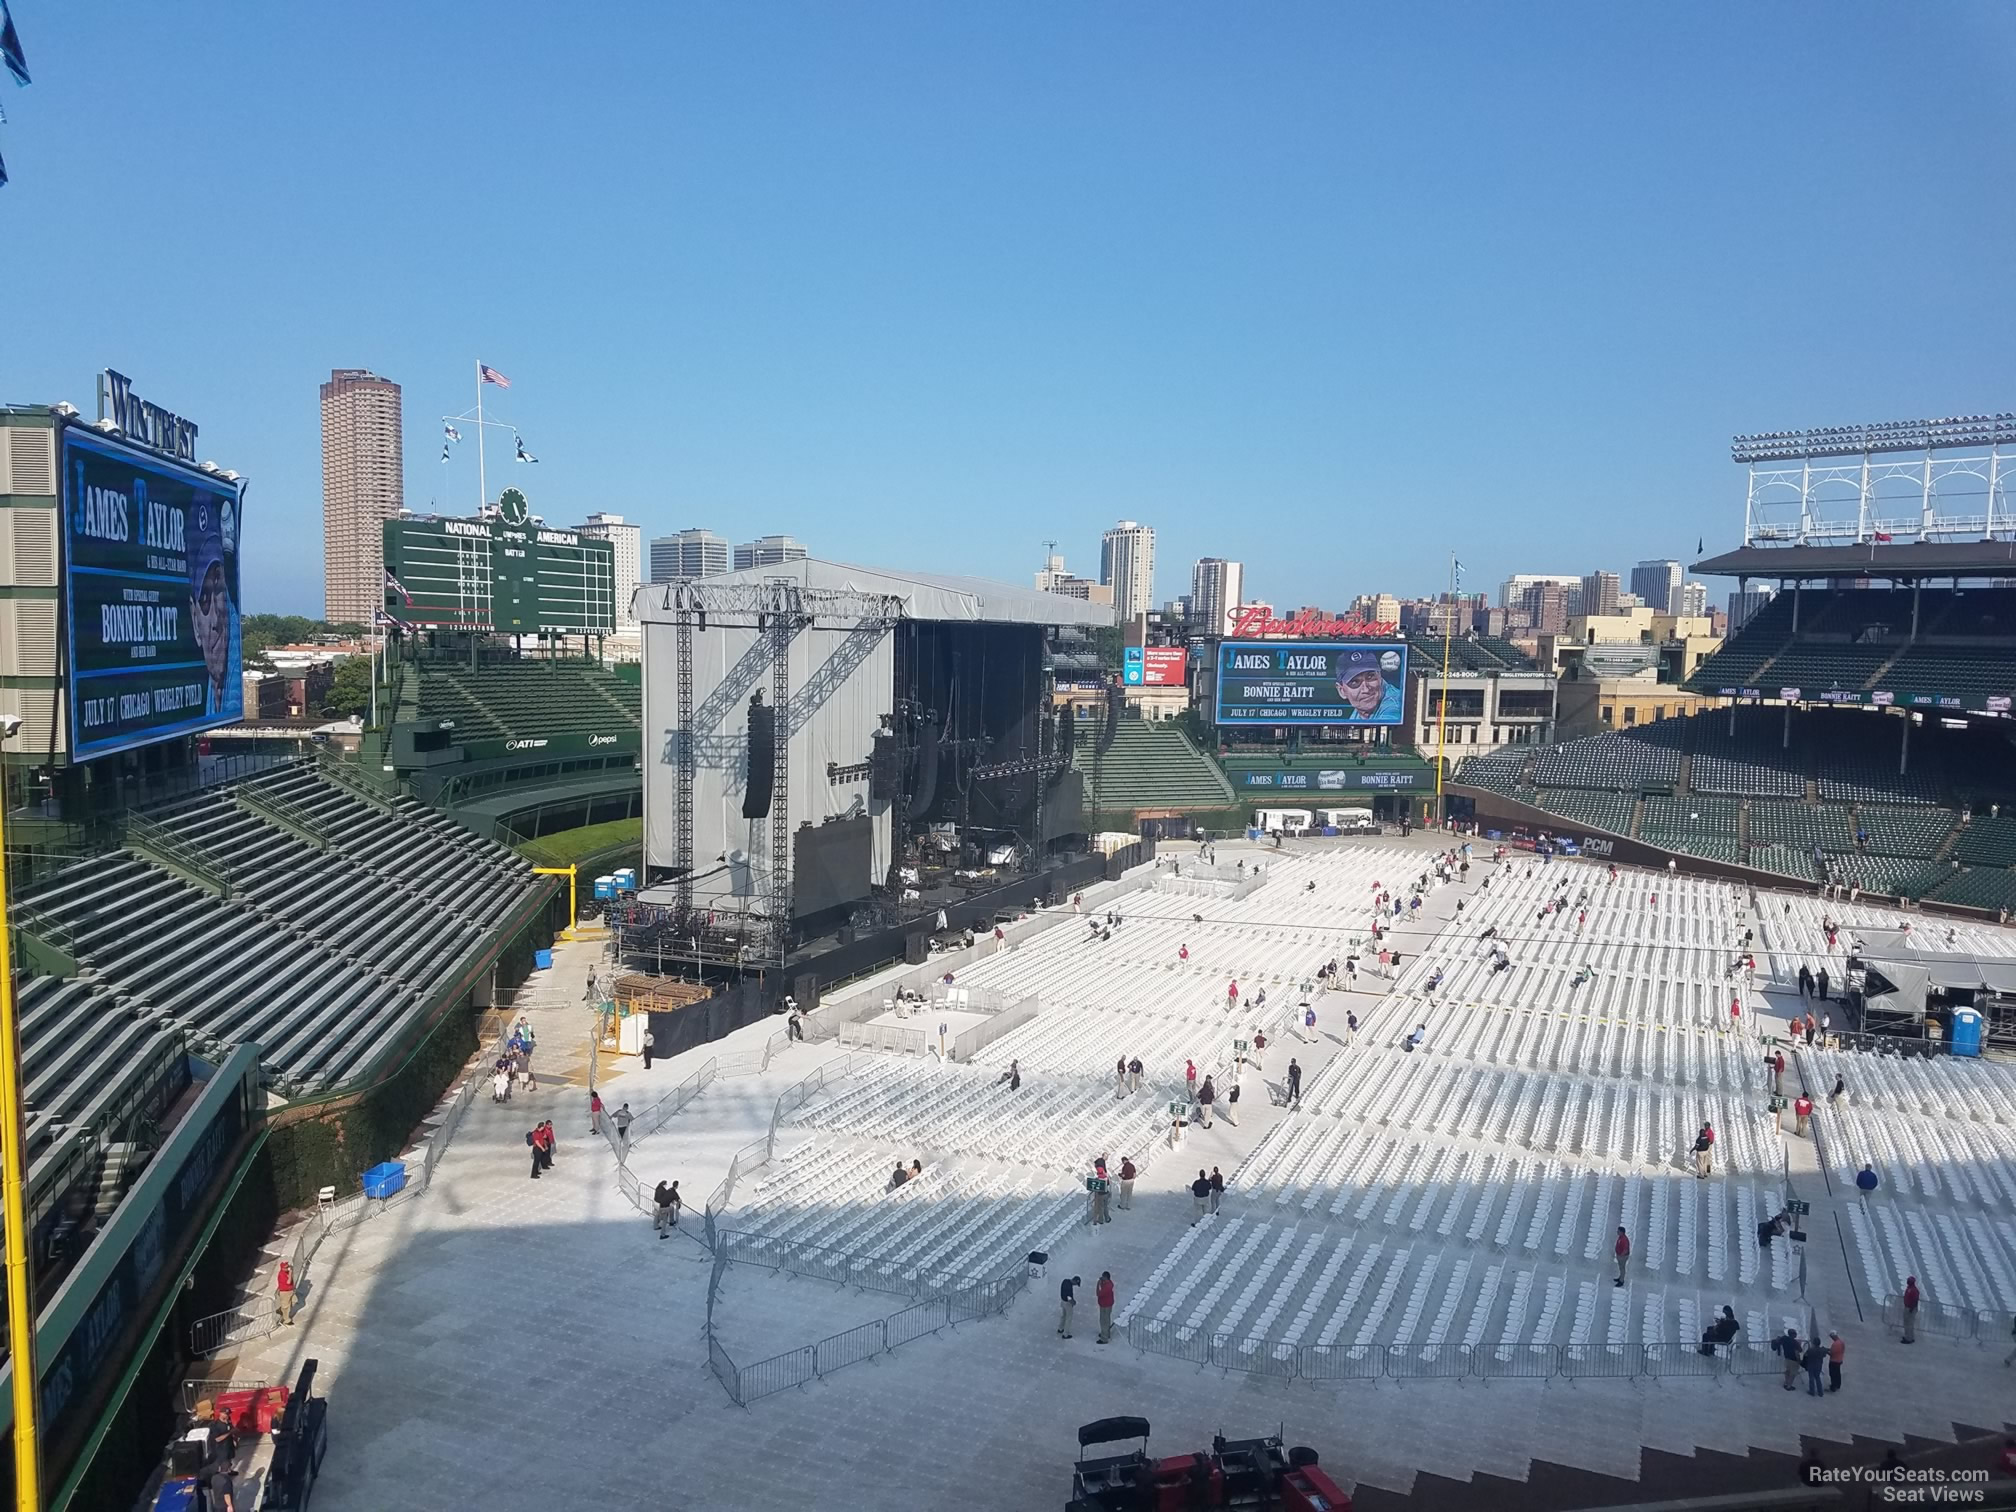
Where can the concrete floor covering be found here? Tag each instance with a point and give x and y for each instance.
(504, 1343)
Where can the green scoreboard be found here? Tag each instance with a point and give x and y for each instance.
(505, 574)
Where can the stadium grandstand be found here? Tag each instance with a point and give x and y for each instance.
(1148, 766)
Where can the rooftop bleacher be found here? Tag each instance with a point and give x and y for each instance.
(1616, 761)
(299, 916)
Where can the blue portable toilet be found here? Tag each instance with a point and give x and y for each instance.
(605, 889)
(625, 878)
(1963, 1031)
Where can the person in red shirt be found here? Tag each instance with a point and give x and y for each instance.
(1778, 1073)
(283, 1291)
(1802, 1110)
(1183, 952)
(1103, 1293)
(1735, 1013)
(594, 1112)
(1623, 1253)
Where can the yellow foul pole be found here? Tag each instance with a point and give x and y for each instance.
(14, 1215)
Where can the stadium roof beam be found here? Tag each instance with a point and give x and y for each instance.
(1919, 480)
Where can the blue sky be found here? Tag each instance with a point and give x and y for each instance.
(1332, 289)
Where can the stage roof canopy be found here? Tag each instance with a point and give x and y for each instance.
(925, 595)
(1908, 559)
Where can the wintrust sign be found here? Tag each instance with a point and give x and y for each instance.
(1252, 621)
(146, 424)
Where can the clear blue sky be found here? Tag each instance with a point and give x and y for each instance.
(1330, 288)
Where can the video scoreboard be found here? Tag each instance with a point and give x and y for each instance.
(504, 574)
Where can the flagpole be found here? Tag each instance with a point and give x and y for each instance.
(1442, 713)
(482, 482)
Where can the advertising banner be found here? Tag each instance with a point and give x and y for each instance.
(150, 556)
(1152, 666)
(1296, 683)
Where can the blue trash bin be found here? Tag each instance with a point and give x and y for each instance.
(384, 1180)
(542, 960)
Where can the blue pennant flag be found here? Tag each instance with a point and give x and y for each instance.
(10, 47)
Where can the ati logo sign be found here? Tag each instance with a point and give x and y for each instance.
(1254, 620)
(524, 745)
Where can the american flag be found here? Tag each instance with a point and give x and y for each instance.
(397, 587)
(1883, 535)
(488, 374)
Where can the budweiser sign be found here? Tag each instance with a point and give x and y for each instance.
(1254, 621)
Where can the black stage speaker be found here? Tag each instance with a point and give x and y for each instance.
(1115, 700)
(915, 949)
(805, 988)
(885, 768)
(762, 760)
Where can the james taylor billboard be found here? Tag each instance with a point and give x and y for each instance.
(150, 555)
(1296, 683)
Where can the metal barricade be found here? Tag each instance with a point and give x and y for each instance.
(238, 1325)
(1935, 1319)
(1253, 1356)
(1514, 1361)
(849, 1348)
(1590, 1361)
(1338, 1362)
(1424, 1362)
(1745, 1358)
(724, 1369)
(1666, 1361)
(778, 1373)
(915, 1322)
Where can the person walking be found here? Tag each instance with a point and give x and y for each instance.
(1294, 1084)
(1622, 1249)
(1802, 1113)
(624, 1118)
(1786, 1347)
(662, 1217)
(1350, 1028)
(1778, 1073)
(1120, 1078)
(1200, 1193)
(1206, 1096)
(283, 1291)
(1067, 1299)
(532, 1144)
(1134, 1074)
(1127, 1175)
(1910, 1309)
(1820, 984)
(1840, 1089)
(1805, 980)
(650, 1043)
(1190, 1080)
(1814, 1357)
(1231, 1108)
(548, 1142)
(1103, 1295)
(1703, 1143)
(1837, 1351)
(1309, 1020)
(594, 1112)
(1217, 1189)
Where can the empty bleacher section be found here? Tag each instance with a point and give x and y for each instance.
(299, 916)
(1743, 786)
(1150, 765)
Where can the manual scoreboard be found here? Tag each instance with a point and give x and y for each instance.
(502, 575)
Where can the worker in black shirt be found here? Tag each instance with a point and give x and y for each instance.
(1067, 1296)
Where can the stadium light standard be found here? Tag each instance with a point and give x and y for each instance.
(14, 1201)
(1442, 713)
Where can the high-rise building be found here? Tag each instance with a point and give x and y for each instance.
(689, 553)
(1051, 573)
(1177, 608)
(1746, 602)
(768, 551)
(1657, 584)
(1547, 607)
(1694, 599)
(363, 486)
(1599, 593)
(627, 540)
(1216, 587)
(1513, 589)
(1127, 566)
